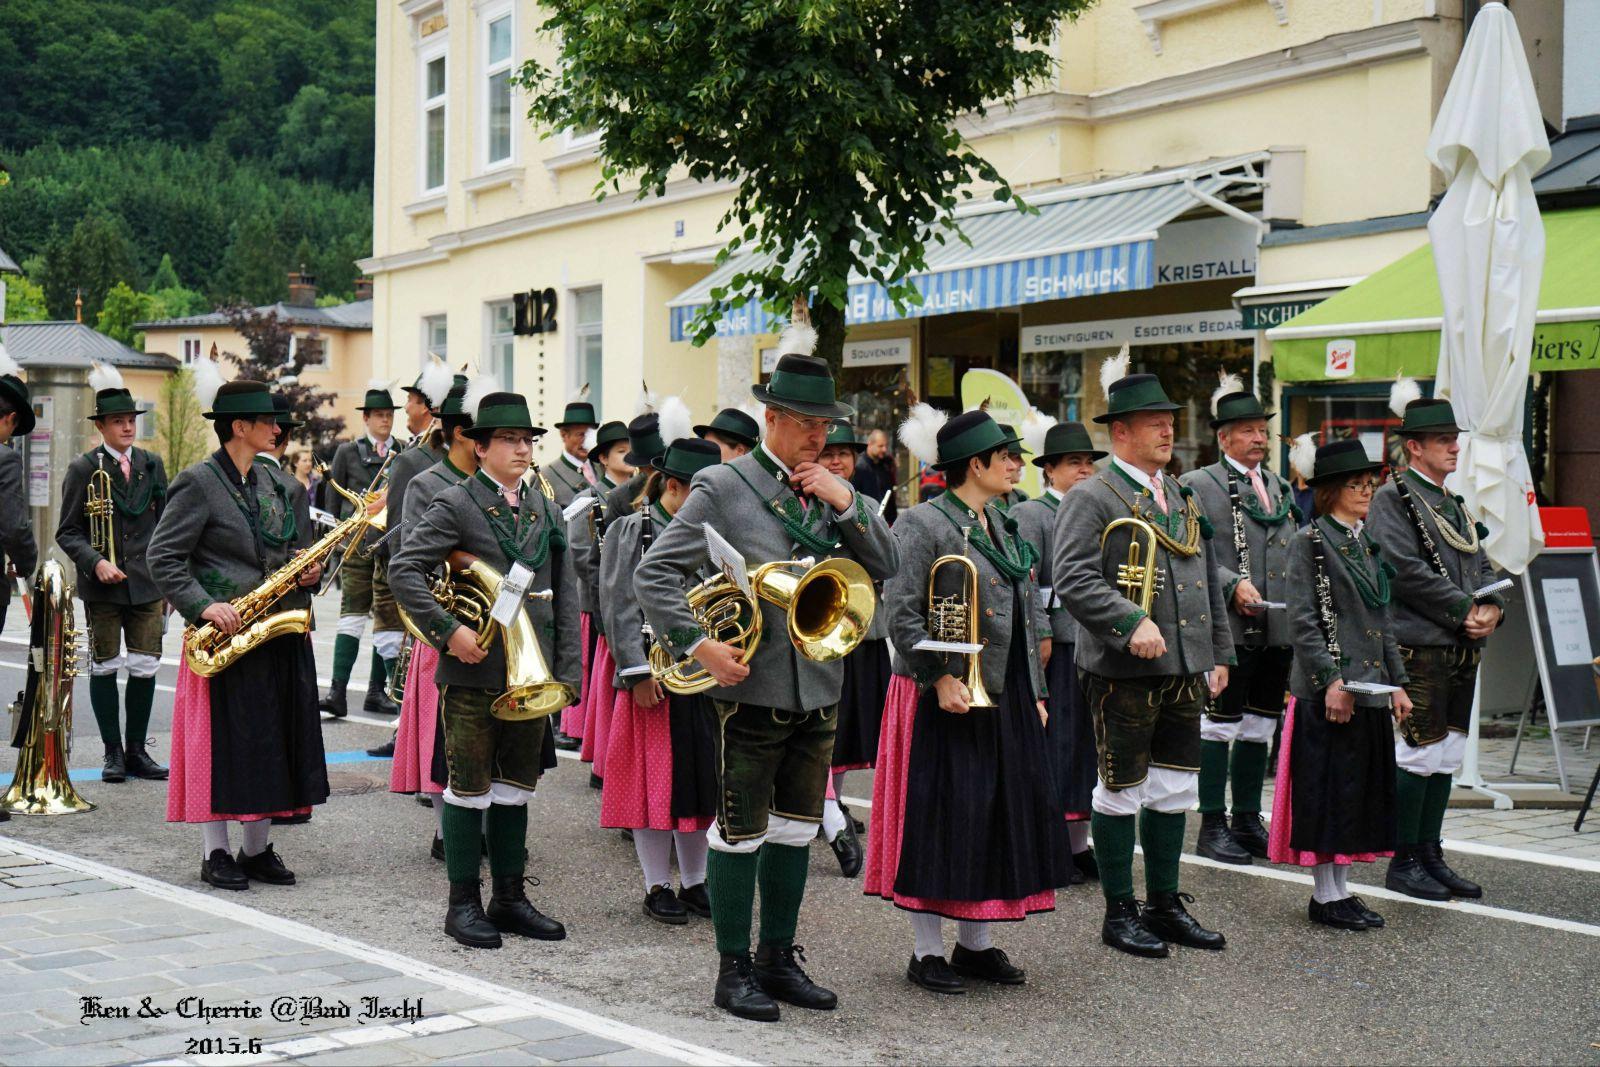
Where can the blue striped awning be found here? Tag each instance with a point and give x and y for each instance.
(1083, 246)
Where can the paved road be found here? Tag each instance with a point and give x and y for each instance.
(1511, 981)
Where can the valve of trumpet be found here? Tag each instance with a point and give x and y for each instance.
(543, 594)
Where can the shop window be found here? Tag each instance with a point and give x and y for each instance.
(435, 339)
(498, 64)
(501, 346)
(191, 347)
(588, 342)
(434, 126)
(1188, 370)
(147, 421)
(1338, 412)
(1053, 383)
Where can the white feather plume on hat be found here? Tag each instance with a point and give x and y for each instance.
(1113, 370)
(590, 438)
(648, 401)
(104, 376)
(7, 364)
(758, 411)
(674, 421)
(482, 384)
(207, 380)
(1402, 393)
(1035, 425)
(797, 339)
(435, 381)
(920, 432)
(1303, 456)
(1227, 384)
(579, 395)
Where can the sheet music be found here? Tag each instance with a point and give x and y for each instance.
(728, 560)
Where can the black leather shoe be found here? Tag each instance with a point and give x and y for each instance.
(990, 965)
(663, 905)
(378, 702)
(140, 765)
(855, 824)
(1368, 916)
(465, 920)
(695, 898)
(1250, 833)
(1336, 914)
(777, 970)
(1407, 876)
(1124, 929)
(934, 974)
(291, 820)
(595, 781)
(510, 910)
(383, 751)
(847, 848)
(265, 867)
(1431, 856)
(739, 994)
(1216, 841)
(1166, 918)
(567, 743)
(116, 767)
(1087, 865)
(333, 701)
(221, 872)
(436, 850)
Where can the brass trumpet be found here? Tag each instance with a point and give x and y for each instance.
(1140, 576)
(98, 507)
(42, 784)
(954, 618)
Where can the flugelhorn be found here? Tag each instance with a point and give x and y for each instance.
(954, 618)
(43, 713)
(1140, 575)
(98, 507)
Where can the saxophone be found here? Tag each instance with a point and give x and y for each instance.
(209, 651)
(42, 785)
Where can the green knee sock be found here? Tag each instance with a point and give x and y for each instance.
(1411, 791)
(1113, 851)
(388, 670)
(463, 842)
(1247, 773)
(1161, 834)
(141, 694)
(783, 885)
(1214, 777)
(731, 885)
(1431, 826)
(345, 648)
(103, 699)
(376, 671)
(507, 831)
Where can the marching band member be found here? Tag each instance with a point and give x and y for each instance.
(608, 459)
(645, 443)
(660, 781)
(1013, 496)
(1252, 511)
(494, 763)
(120, 599)
(1442, 623)
(1147, 667)
(246, 742)
(776, 713)
(19, 553)
(966, 824)
(1067, 456)
(734, 432)
(1335, 800)
(568, 474)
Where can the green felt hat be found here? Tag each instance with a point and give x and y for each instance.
(644, 440)
(687, 456)
(501, 411)
(1066, 439)
(609, 434)
(377, 400)
(1135, 392)
(579, 413)
(1015, 447)
(1431, 415)
(452, 399)
(971, 433)
(16, 390)
(1236, 407)
(1339, 459)
(280, 404)
(842, 433)
(241, 399)
(804, 385)
(735, 424)
(114, 402)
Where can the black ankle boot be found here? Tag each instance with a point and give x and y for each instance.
(566, 742)
(1216, 840)
(1431, 856)
(116, 767)
(140, 765)
(1124, 929)
(1166, 918)
(333, 701)
(378, 702)
(1406, 875)
(465, 920)
(739, 994)
(383, 751)
(511, 911)
(778, 971)
(1250, 833)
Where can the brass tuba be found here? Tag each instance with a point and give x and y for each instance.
(1140, 576)
(43, 714)
(98, 508)
(827, 606)
(954, 618)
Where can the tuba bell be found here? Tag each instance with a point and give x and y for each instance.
(1140, 575)
(98, 508)
(953, 619)
(43, 712)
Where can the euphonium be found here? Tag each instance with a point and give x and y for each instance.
(827, 607)
(210, 651)
(1140, 575)
(42, 785)
(954, 618)
(99, 510)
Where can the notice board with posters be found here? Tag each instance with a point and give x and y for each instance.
(1561, 589)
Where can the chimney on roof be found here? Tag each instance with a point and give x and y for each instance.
(363, 288)
(77, 303)
(302, 289)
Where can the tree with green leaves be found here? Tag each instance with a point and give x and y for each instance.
(183, 437)
(91, 260)
(123, 307)
(267, 359)
(836, 119)
(24, 300)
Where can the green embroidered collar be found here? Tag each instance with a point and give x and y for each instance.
(129, 504)
(460, 474)
(511, 526)
(803, 525)
(1248, 502)
(1010, 554)
(1357, 553)
(287, 531)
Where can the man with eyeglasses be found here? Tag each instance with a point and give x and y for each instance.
(776, 714)
(494, 763)
(1441, 620)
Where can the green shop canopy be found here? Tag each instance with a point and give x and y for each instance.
(1388, 323)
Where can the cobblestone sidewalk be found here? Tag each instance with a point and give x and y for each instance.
(100, 966)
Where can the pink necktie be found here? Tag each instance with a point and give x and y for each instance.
(1260, 488)
(383, 449)
(127, 468)
(510, 495)
(1155, 491)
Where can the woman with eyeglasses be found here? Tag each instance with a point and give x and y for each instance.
(1335, 797)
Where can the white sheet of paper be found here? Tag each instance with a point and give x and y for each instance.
(928, 644)
(1492, 588)
(1045, 593)
(579, 507)
(323, 518)
(728, 560)
(509, 599)
(1376, 689)
(1569, 626)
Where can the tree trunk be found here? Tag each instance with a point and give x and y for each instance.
(829, 324)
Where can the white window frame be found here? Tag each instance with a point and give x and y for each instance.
(506, 370)
(508, 65)
(425, 348)
(146, 425)
(437, 48)
(294, 348)
(578, 333)
(183, 347)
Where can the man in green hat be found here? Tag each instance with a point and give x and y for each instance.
(357, 465)
(16, 522)
(568, 474)
(776, 713)
(1014, 453)
(733, 431)
(120, 598)
(1148, 662)
(1442, 618)
(1252, 513)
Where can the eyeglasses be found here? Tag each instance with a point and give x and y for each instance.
(515, 440)
(1365, 488)
(808, 425)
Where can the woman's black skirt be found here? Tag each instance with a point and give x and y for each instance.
(692, 719)
(1070, 733)
(1343, 781)
(866, 683)
(266, 732)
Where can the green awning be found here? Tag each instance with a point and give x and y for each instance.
(1389, 322)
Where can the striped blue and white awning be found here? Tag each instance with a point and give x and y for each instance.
(1083, 246)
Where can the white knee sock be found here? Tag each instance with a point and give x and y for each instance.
(930, 938)
(438, 815)
(692, 848)
(255, 836)
(1341, 876)
(655, 856)
(1078, 834)
(832, 819)
(973, 936)
(1325, 884)
(214, 835)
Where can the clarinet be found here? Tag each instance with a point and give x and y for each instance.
(647, 537)
(1422, 527)
(1328, 622)
(1241, 545)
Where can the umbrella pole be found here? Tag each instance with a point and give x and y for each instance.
(1469, 776)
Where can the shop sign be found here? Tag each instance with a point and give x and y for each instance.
(892, 352)
(1341, 361)
(1007, 404)
(1221, 324)
(1266, 316)
(1205, 250)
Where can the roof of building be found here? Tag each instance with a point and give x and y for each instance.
(72, 344)
(356, 315)
(1574, 166)
(7, 264)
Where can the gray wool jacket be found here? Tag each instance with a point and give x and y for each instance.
(624, 619)
(1189, 609)
(923, 534)
(586, 551)
(741, 501)
(355, 465)
(305, 532)
(1269, 546)
(1367, 647)
(1428, 608)
(619, 501)
(566, 480)
(1036, 522)
(16, 521)
(458, 518)
(145, 492)
(406, 466)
